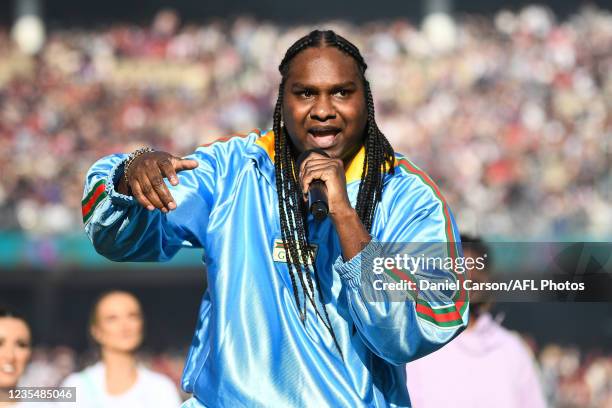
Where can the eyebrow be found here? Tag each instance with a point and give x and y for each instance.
(346, 84)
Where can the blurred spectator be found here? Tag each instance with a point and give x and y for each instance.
(485, 366)
(513, 121)
(15, 352)
(118, 380)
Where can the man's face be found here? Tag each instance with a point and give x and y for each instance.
(324, 104)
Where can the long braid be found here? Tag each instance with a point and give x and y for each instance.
(379, 159)
(296, 253)
(278, 141)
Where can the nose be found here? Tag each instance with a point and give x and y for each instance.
(323, 109)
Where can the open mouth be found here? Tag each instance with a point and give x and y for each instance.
(323, 137)
(7, 368)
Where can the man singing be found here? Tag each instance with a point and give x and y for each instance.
(285, 320)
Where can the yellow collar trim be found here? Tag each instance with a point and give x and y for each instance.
(266, 142)
(352, 172)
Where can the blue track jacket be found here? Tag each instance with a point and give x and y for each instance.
(250, 347)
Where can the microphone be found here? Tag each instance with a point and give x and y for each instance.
(317, 195)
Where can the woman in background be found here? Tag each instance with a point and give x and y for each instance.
(118, 380)
(15, 352)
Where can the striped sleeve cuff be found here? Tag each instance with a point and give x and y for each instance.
(100, 187)
(350, 271)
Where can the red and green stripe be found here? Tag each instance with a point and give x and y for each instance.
(91, 201)
(443, 316)
(449, 316)
(399, 276)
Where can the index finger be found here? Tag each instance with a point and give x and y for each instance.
(312, 157)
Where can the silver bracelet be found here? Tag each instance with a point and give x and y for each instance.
(130, 159)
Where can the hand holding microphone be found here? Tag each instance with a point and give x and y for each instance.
(323, 183)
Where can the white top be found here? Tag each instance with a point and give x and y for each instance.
(150, 390)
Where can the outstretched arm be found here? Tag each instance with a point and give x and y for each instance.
(147, 218)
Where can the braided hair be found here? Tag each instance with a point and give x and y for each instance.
(379, 159)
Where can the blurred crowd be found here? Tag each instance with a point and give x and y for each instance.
(574, 379)
(570, 377)
(509, 115)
